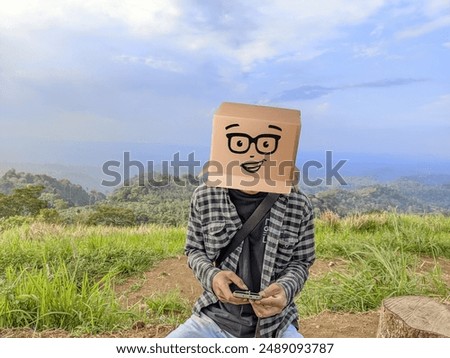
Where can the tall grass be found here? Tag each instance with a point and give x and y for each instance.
(168, 308)
(60, 277)
(382, 251)
(91, 250)
(54, 276)
(422, 235)
(53, 297)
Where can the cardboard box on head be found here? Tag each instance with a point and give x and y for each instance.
(254, 148)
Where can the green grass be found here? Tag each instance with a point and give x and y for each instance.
(382, 251)
(54, 276)
(373, 275)
(168, 308)
(91, 250)
(53, 297)
(421, 235)
(60, 277)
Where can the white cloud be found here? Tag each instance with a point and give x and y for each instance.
(436, 7)
(368, 51)
(145, 18)
(323, 107)
(423, 8)
(436, 112)
(377, 31)
(242, 33)
(446, 44)
(35, 14)
(429, 16)
(153, 62)
(289, 29)
(423, 29)
(284, 30)
(442, 102)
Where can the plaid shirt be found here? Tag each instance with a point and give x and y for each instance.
(289, 253)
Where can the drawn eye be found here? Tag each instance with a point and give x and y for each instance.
(238, 143)
(267, 144)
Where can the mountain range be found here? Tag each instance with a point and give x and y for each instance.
(414, 194)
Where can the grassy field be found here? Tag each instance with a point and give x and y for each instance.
(383, 255)
(55, 276)
(61, 277)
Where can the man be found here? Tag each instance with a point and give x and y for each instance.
(274, 258)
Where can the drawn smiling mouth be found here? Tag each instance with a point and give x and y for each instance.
(252, 167)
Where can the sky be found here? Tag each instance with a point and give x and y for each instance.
(370, 77)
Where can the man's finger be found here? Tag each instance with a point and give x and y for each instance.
(272, 290)
(225, 295)
(220, 295)
(238, 301)
(271, 301)
(237, 281)
(234, 300)
(265, 311)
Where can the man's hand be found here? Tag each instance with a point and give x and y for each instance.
(221, 287)
(273, 302)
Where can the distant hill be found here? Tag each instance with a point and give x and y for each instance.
(57, 192)
(162, 199)
(436, 194)
(431, 179)
(89, 177)
(165, 198)
(361, 195)
(156, 189)
(406, 196)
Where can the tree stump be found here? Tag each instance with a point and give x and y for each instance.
(414, 317)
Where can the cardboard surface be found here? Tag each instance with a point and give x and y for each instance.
(254, 148)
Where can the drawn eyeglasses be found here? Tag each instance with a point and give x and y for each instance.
(240, 143)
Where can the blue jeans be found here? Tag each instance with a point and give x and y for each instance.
(204, 327)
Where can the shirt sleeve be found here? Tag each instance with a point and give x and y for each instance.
(198, 261)
(297, 271)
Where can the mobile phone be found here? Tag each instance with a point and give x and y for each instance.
(247, 294)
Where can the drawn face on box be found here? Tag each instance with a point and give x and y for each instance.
(254, 147)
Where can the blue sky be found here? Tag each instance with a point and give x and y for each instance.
(369, 76)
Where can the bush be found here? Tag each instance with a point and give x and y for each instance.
(110, 215)
(50, 216)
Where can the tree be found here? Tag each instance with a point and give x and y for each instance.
(50, 216)
(22, 202)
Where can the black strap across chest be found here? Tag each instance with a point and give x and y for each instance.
(254, 219)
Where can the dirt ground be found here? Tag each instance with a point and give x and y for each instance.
(173, 274)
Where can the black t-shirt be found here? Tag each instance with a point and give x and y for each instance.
(240, 320)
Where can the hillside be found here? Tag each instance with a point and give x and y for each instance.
(363, 195)
(88, 176)
(165, 199)
(59, 193)
(403, 196)
(162, 199)
(436, 195)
